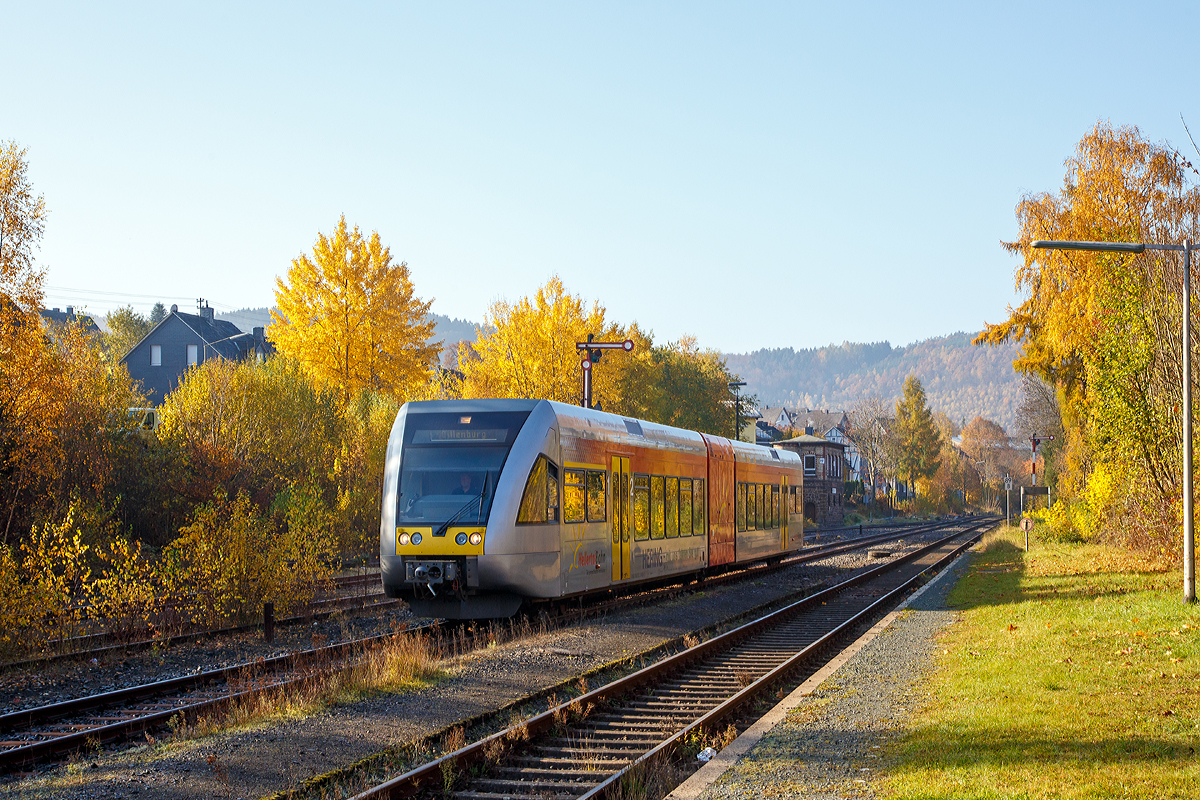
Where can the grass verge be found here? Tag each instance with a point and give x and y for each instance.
(1074, 672)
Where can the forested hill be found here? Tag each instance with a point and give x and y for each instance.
(961, 379)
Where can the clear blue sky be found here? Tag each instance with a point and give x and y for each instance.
(758, 175)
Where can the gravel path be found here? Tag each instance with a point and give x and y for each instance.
(830, 744)
(277, 754)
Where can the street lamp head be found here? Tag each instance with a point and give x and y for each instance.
(735, 384)
(1103, 247)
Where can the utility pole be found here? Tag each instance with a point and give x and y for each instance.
(593, 351)
(737, 409)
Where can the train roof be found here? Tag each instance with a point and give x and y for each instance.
(588, 423)
(468, 406)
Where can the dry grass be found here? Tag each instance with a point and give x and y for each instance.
(402, 663)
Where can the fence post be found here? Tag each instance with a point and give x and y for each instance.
(269, 622)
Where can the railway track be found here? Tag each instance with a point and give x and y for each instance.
(585, 748)
(98, 645)
(47, 733)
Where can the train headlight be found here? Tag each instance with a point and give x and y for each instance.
(416, 538)
(476, 538)
(402, 539)
(461, 539)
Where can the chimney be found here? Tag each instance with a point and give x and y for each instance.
(260, 335)
(808, 430)
(205, 309)
(70, 311)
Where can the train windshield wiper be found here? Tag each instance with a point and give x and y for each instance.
(442, 530)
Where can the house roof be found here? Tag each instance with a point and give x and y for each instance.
(773, 415)
(810, 439)
(56, 316)
(817, 419)
(221, 336)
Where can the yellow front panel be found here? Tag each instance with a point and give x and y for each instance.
(440, 545)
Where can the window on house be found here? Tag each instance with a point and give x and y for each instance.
(810, 466)
(193, 355)
(156, 355)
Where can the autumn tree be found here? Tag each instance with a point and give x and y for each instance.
(22, 222)
(870, 429)
(680, 384)
(157, 314)
(349, 315)
(918, 441)
(527, 350)
(126, 328)
(1102, 328)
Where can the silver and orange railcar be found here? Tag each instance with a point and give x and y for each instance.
(491, 504)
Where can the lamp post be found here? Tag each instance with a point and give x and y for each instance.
(737, 409)
(1189, 549)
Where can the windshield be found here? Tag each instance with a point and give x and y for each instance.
(450, 463)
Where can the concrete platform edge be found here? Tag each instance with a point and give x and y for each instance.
(708, 774)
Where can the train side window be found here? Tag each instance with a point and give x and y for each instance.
(672, 508)
(539, 503)
(774, 506)
(759, 523)
(685, 506)
(641, 506)
(656, 507)
(740, 502)
(574, 495)
(791, 500)
(699, 513)
(595, 496)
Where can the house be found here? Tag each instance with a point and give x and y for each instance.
(182, 340)
(52, 316)
(823, 462)
(777, 418)
(832, 425)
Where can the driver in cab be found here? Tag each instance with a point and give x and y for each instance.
(465, 484)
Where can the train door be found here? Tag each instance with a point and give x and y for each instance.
(621, 518)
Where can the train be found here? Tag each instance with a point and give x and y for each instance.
(492, 505)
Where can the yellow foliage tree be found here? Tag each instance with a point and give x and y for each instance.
(1102, 328)
(350, 317)
(22, 221)
(527, 350)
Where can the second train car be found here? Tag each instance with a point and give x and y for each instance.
(492, 504)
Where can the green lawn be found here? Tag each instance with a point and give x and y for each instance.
(1074, 672)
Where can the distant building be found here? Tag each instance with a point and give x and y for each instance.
(52, 316)
(778, 418)
(823, 461)
(832, 425)
(181, 341)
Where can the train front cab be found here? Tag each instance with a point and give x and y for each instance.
(453, 480)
